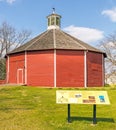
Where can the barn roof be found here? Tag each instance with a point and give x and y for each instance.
(55, 39)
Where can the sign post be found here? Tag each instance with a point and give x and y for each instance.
(94, 114)
(82, 97)
(69, 113)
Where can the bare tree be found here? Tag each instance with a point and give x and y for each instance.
(10, 38)
(108, 45)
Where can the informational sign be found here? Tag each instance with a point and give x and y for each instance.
(81, 97)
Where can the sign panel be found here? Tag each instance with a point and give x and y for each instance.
(81, 97)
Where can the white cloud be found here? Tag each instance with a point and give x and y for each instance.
(110, 13)
(85, 34)
(8, 1)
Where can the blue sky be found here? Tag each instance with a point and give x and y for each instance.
(88, 20)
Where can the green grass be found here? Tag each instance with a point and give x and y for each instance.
(32, 108)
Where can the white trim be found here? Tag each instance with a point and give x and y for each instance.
(25, 68)
(103, 71)
(8, 66)
(53, 27)
(55, 68)
(85, 69)
(18, 76)
(54, 38)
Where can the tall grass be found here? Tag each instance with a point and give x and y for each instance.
(33, 108)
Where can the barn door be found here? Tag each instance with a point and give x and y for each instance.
(20, 76)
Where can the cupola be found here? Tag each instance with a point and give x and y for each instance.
(53, 20)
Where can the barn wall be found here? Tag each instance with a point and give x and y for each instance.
(70, 68)
(2, 82)
(40, 68)
(95, 69)
(16, 69)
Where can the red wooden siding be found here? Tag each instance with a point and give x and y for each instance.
(16, 64)
(70, 68)
(95, 69)
(40, 68)
(2, 81)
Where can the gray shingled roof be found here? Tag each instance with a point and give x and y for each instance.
(55, 39)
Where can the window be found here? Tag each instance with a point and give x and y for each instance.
(57, 21)
(48, 21)
(52, 20)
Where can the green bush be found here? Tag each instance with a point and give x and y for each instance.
(2, 69)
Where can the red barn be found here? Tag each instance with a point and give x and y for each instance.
(56, 59)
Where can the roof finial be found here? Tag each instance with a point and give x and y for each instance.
(53, 10)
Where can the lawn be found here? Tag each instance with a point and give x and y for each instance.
(33, 108)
